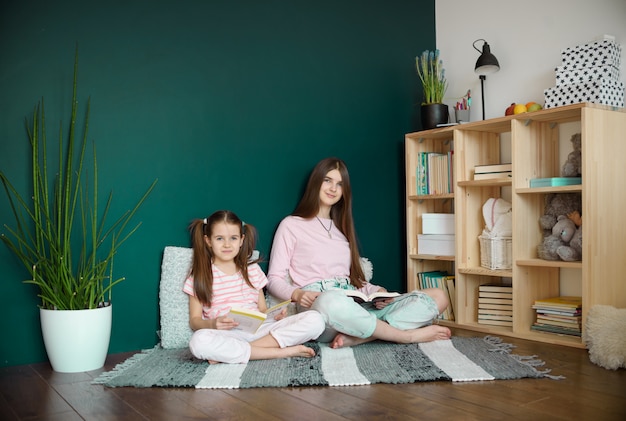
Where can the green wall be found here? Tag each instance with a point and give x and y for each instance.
(229, 104)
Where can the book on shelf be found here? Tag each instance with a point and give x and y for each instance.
(451, 294)
(483, 169)
(561, 302)
(495, 312)
(495, 294)
(569, 325)
(571, 313)
(489, 306)
(555, 181)
(555, 329)
(434, 173)
(250, 320)
(493, 175)
(483, 300)
(503, 317)
(560, 318)
(441, 280)
(495, 288)
(495, 322)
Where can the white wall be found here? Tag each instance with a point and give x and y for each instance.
(526, 37)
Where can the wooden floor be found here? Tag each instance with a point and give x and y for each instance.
(589, 392)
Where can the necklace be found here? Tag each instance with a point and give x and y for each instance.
(323, 226)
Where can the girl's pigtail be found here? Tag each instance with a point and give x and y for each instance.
(244, 258)
(201, 264)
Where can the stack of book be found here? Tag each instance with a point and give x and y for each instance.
(495, 305)
(441, 280)
(488, 172)
(434, 173)
(560, 315)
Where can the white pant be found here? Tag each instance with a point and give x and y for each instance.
(232, 346)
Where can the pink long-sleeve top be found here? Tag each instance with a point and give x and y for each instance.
(303, 251)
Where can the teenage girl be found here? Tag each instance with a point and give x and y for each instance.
(315, 253)
(221, 277)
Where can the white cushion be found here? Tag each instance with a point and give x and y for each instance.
(173, 302)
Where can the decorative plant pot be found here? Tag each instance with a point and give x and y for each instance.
(76, 340)
(433, 114)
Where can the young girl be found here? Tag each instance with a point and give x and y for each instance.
(315, 253)
(222, 277)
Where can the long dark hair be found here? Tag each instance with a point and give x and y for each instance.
(341, 212)
(201, 268)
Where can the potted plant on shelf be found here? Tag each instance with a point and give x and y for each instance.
(433, 77)
(66, 244)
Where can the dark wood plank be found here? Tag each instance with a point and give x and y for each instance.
(27, 395)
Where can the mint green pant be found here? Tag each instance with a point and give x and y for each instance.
(342, 314)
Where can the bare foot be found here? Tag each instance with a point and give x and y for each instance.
(342, 341)
(299, 351)
(429, 334)
(213, 362)
(422, 334)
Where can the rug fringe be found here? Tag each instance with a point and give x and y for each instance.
(498, 344)
(108, 375)
(529, 360)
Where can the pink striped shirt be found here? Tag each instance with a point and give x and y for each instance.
(231, 291)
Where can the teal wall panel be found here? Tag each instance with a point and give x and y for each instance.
(229, 104)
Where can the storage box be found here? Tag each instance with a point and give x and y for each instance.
(601, 91)
(438, 223)
(437, 244)
(599, 53)
(496, 253)
(566, 76)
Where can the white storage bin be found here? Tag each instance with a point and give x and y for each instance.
(440, 245)
(438, 223)
(496, 253)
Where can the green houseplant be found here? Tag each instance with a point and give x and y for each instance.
(434, 85)
(61, 235)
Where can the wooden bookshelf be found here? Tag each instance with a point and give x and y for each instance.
(533, 140)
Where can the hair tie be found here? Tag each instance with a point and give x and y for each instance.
(204, 221)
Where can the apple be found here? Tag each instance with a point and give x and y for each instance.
(509, 110)
(534, 107)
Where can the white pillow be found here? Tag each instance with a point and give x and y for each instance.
(173, 302)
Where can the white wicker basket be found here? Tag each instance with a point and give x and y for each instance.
(496, 253)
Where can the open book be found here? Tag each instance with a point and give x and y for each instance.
(251, 320)
(361, 298)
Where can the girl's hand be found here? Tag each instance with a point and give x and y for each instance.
(225, 323)
(305, 298)
(380, 304)
(281, 315)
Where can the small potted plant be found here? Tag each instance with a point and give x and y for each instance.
(433, 77)
(64, 241)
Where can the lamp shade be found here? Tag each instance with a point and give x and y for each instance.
(487, 62)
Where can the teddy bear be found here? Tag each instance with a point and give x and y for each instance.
(562, 227)
(573, 165)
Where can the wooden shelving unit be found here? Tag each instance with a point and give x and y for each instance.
(533, 140)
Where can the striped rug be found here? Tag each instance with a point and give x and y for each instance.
(458, 359)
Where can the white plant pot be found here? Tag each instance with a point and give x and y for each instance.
(76, 340)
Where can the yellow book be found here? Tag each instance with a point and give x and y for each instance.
(250, 320)
(560, 302)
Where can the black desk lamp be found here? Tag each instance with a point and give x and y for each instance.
(486, 63)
